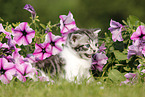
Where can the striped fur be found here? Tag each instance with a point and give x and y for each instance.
(75, 58)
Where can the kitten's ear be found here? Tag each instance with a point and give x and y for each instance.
(96, 31)
(75, 37)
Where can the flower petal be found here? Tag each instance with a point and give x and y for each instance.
(4, 79)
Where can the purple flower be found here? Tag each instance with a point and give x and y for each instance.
(130, 75)
(2, 30)
(98, 61)
(23, 34)
(55, 43)
(25, 70)
(18, 59)
(102, 48)
(138, 67)
(143, 50)
(116, 29)
(7, 70)
(4, 50)
(3, 45)
(134, 50)
(31, 58)
(29, 8)
(67, 24)
(143, 71)
(42, 51)
(130, 78)
(139, 34)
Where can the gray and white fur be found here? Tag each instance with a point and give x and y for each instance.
(73, 63)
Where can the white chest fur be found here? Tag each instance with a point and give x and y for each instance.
(76, 68)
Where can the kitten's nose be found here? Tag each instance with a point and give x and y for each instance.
(94, 51)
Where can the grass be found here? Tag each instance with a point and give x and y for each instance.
(65, 89)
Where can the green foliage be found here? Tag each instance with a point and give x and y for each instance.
(115, 75)
(118, 64)
(88, 13)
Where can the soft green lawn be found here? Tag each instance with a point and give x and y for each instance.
(65, 89)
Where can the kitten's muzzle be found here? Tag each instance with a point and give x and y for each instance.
(88, 55)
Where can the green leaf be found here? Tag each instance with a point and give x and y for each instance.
(120, 55)
(1, 19)
(115, 75)
(127, 68)
(43, 26)
(133, 21)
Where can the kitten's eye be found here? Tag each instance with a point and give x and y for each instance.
(96, 44)
(87, 45)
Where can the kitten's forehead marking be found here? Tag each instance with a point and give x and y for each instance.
(88, 33)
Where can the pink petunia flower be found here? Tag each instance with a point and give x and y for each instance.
(29, 8)
(4, 50)
(25, 70)
(2, 30)
(139, 34)
(42, 51)
(134, 50)
(31, 58)
(102, 48)
(116, 29)
(55, 43)
(130, 75)
(7, 70)
(23, 34)
(3, 45)
(98, 61)
(67, 24)
(130, 78)
(17, 58)
(143, 50)
(143, 71)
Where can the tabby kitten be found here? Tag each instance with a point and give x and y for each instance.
(74, 61)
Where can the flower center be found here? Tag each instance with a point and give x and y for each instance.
(24, 33)
(2, 71)
(43, 51)
(52, 43)
(141, 36)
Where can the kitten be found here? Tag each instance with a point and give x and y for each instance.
(74, 61)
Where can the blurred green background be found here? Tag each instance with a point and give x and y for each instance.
(87, 13)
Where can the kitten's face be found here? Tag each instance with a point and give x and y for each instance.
(83, 42)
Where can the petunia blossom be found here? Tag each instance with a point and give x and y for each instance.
(31, 58)
(29, 8)
(7, 70)
(42, 51)
(130, 75)
(134, 50)
(23, 34)
(25, 70)
(98, 61)
(116, 29)
(143, 50)
(143, 71)
(55, 43)
(4, 50)
(130, 78)
(139, 33)
(2, 30)
(102, 48)
(67, 24)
